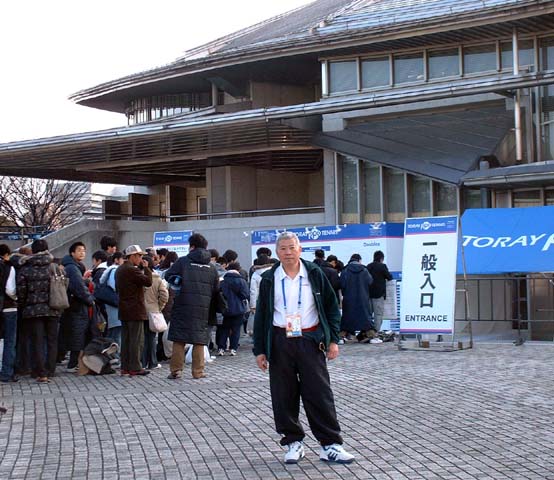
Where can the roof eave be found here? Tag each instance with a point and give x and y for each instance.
(290, 46)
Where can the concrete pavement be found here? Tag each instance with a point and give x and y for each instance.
(485, 413)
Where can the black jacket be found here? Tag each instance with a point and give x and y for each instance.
(380, 274)
(33, 286)
(332, 275)
(191, 307)
(75, 320)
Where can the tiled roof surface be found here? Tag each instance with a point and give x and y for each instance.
(328, 17)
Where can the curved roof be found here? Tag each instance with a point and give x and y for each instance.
(325, 25)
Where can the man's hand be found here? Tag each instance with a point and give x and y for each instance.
(333, 351)
(261, 360)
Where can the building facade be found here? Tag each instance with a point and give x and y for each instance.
(342, 111)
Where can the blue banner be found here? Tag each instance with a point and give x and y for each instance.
(507, 240)
(335, 232)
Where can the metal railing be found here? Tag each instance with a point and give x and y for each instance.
(525, 301)
(204, 216)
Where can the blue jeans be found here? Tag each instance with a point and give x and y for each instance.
(10, 337)
(149, 355)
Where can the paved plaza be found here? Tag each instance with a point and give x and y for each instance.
(486, 413)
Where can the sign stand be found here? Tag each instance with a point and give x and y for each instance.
(429, 281)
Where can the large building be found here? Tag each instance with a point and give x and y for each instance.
(342, 111)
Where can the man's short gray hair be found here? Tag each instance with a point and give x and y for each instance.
(286, 236)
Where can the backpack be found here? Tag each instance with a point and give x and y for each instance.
(105, 293)
(58, 299)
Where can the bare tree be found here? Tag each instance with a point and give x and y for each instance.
(46, 205)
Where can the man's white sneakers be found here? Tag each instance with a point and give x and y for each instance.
(295, 452)
(335, 453)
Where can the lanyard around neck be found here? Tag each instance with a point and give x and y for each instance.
(299, 293)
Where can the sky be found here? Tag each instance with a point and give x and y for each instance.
(49, 50)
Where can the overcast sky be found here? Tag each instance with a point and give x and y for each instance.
(49, 50)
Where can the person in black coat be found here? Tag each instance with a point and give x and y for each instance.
(236, 293)
(355, 281)
(330, 272)
(378, 290)
(199, 289)
(75, 324)
(33, 297)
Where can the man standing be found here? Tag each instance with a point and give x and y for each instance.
(130, 279)
(192, 306)
(378, 289)
(297, 321)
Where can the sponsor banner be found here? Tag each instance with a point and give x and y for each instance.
(507, 240)
(177, 241)
(429, 275)
(342, 241)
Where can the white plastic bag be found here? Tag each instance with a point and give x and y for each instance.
(188, 356)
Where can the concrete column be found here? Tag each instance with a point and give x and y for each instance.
(330, 188)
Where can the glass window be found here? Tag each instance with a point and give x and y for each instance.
(420, 195)
(472, 198)
(549, 197)
(446, 198)
(480, 58)
(408, 68)
(527, 198)
(526, 55)
(547, 53)
(372, 189)
(394, 187)
(349, 190)
(444, 63)
(343, 76)
(375, 72)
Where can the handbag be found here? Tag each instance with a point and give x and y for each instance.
(58, 299)
(99, 318)
(106, 294)
(156, 322)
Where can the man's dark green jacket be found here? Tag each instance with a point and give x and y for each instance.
(325, 301)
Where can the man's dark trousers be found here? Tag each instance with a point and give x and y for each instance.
(44, 329)
(132, 343)
(297, 368)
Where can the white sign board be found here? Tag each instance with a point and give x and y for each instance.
(342, 241)
(429, 275)
(174, 241)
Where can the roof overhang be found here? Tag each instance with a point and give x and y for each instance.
(443, 145)
(527, 15)
(182, 148)
(516, 176)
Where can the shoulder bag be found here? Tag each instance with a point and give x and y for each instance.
(58, 289)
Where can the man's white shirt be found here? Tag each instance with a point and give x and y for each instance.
(308, 309)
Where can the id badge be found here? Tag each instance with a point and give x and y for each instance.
(294, 325)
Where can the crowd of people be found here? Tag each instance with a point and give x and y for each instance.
(133, 309)
(195, 302)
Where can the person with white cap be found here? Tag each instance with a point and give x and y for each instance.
(130, 280)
